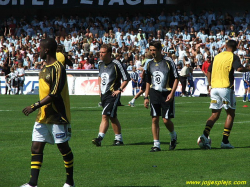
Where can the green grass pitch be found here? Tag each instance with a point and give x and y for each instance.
(132, 164)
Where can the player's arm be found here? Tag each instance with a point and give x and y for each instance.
(125, 78)
(29, 109)
(99, 83)
(176, 81)
(148, 83)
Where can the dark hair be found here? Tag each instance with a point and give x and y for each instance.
(232, 44)
(156, 44)
(108, 47)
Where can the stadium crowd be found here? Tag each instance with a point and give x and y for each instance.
(184, 36)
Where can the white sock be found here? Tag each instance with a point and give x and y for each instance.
(173, 135)
(118, 137)
(133, 100)
(100, 134)
(15, 90)
(21, 88)
(157, 143)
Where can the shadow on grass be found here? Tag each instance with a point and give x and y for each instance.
(85, 109)
(145, 143)
(213, 148)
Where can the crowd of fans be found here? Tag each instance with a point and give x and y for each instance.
(184, 35)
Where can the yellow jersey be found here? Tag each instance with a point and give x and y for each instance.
(53, 82)
(222, 70)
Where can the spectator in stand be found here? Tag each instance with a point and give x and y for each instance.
(87, 65)
(204, 69)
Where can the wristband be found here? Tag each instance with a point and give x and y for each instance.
(35, 105)
(120, 89)
(145, 98)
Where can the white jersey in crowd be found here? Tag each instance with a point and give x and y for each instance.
(20, 71)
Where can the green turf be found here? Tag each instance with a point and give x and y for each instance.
(132, 164)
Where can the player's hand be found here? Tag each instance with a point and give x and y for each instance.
(170, 97)
(116, 93)
(28, 110)
(146, 103)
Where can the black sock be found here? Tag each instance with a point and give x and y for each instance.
(36, 163)
(207, 129)
(68, 163)
(226, 134)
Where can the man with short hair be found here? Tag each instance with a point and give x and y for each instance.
(221, 78)
(53, 120)
(161, 83)
(111, 72)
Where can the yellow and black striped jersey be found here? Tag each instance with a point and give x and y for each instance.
(53, 82)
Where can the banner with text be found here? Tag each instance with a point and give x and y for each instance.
(81, 3)
(89, 86)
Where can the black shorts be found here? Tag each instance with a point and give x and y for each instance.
(109, 104)
(143, 85)
(14, 83)
(158, 105)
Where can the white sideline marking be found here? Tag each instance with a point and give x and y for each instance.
(6, 110)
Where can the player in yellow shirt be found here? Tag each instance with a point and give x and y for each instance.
(221, 78)
(53, 120)
(61, 57)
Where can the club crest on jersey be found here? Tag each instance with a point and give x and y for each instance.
(47, 77)
(104, 81)
(156, 64)
(157, 78)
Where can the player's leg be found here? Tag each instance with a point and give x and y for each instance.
(156, 134)
(117, 130)
(40, 136)
(142, 90)
(168, 112)
(183, 81)
(36, 162)
(216, 105)
(211, 121)
(227, 128)
(21, 85)
(103, 128)
(245, 92)
(229, 101)
(61, 134)
(155, 113)
(68, 159)
(248, 91)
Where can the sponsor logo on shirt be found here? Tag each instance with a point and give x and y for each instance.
(60, 135)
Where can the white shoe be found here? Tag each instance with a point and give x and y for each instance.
(27, 185)
(67, 185)
(244, 101)
(226, 146)
(130, 103)
(205, 141)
